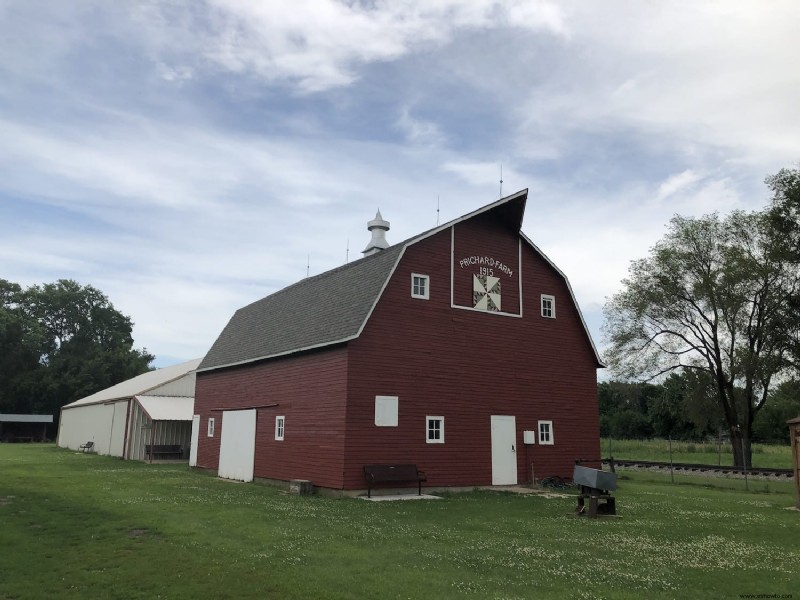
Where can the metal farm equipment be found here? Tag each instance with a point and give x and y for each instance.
(596, 487)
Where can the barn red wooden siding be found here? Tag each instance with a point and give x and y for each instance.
(461, 364)
(467, 365)
(310, 390)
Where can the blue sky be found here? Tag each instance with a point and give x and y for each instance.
(187, 157)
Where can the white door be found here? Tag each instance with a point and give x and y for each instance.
(237, 448)
(504, 450)
(193, 443)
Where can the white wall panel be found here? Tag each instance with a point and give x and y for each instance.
(103, 424)
(237, 445)
(116, 444)
(183, 386)
(193, 444)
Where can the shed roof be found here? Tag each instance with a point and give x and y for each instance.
(139, 385)
(167, 408)
(333, 307)
(9, 418)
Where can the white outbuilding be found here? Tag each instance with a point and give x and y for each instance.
(147, 417)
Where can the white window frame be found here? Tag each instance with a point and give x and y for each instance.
(545, 438)
(210, 429)
(386, 411)
(428, 430)
(552, 308)
(280, 427)
(427, 292)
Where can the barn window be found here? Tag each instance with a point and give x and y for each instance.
(211, 427)
(435, 430)
(546, 432)
(386, 411)
(548, 306)
(280, 423)
(420, 286)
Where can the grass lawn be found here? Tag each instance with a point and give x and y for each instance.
(85, 526)
(766, 456)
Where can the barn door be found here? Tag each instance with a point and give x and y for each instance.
(504, 450)
(237, 445)
(193, 443)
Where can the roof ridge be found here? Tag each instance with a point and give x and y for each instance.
(324, 274)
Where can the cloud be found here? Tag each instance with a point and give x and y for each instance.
(477, 173)
(177, 75)
(320, 44)
(187, 157)
(419, 131)
(674, 183)
(698, 76)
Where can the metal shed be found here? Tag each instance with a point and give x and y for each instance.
(153, 408)
(24, 428)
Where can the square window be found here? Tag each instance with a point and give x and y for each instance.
(420, 286)
(548, 306)
(546, 433)
(280, 423)
(211, 428)
(386, 411)
(434, 430)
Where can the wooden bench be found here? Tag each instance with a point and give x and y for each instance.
(393, 474)
(87, 447)
(163, 451)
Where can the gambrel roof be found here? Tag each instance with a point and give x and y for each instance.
(317, 311)
(333, 307)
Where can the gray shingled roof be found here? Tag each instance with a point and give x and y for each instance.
(317, 311)
(331, 307)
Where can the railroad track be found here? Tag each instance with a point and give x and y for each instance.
(700, 469)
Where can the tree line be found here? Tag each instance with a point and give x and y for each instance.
(717, 301)
(60, 342)
(684, 407)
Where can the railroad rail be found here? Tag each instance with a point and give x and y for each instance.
(696, 468)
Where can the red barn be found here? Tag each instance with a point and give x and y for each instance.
(461, 350)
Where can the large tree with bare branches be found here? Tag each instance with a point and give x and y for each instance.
(714, 296)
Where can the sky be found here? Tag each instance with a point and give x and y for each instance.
(188, 157)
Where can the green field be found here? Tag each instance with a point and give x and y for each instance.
(85, 526)
(709, 453)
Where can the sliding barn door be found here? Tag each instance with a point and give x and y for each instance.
(238, 445)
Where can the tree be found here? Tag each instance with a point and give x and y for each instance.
(672, 412)
(784, 221)
(60, 342)
(712, 298)
(784, 404)
(22, 341)
(642, 410)
(784, 211)
(623, 409)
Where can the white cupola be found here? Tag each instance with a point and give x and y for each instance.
(378, 227)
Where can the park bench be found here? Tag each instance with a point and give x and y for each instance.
(87, 447)
(393, 474)
(163, 451)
